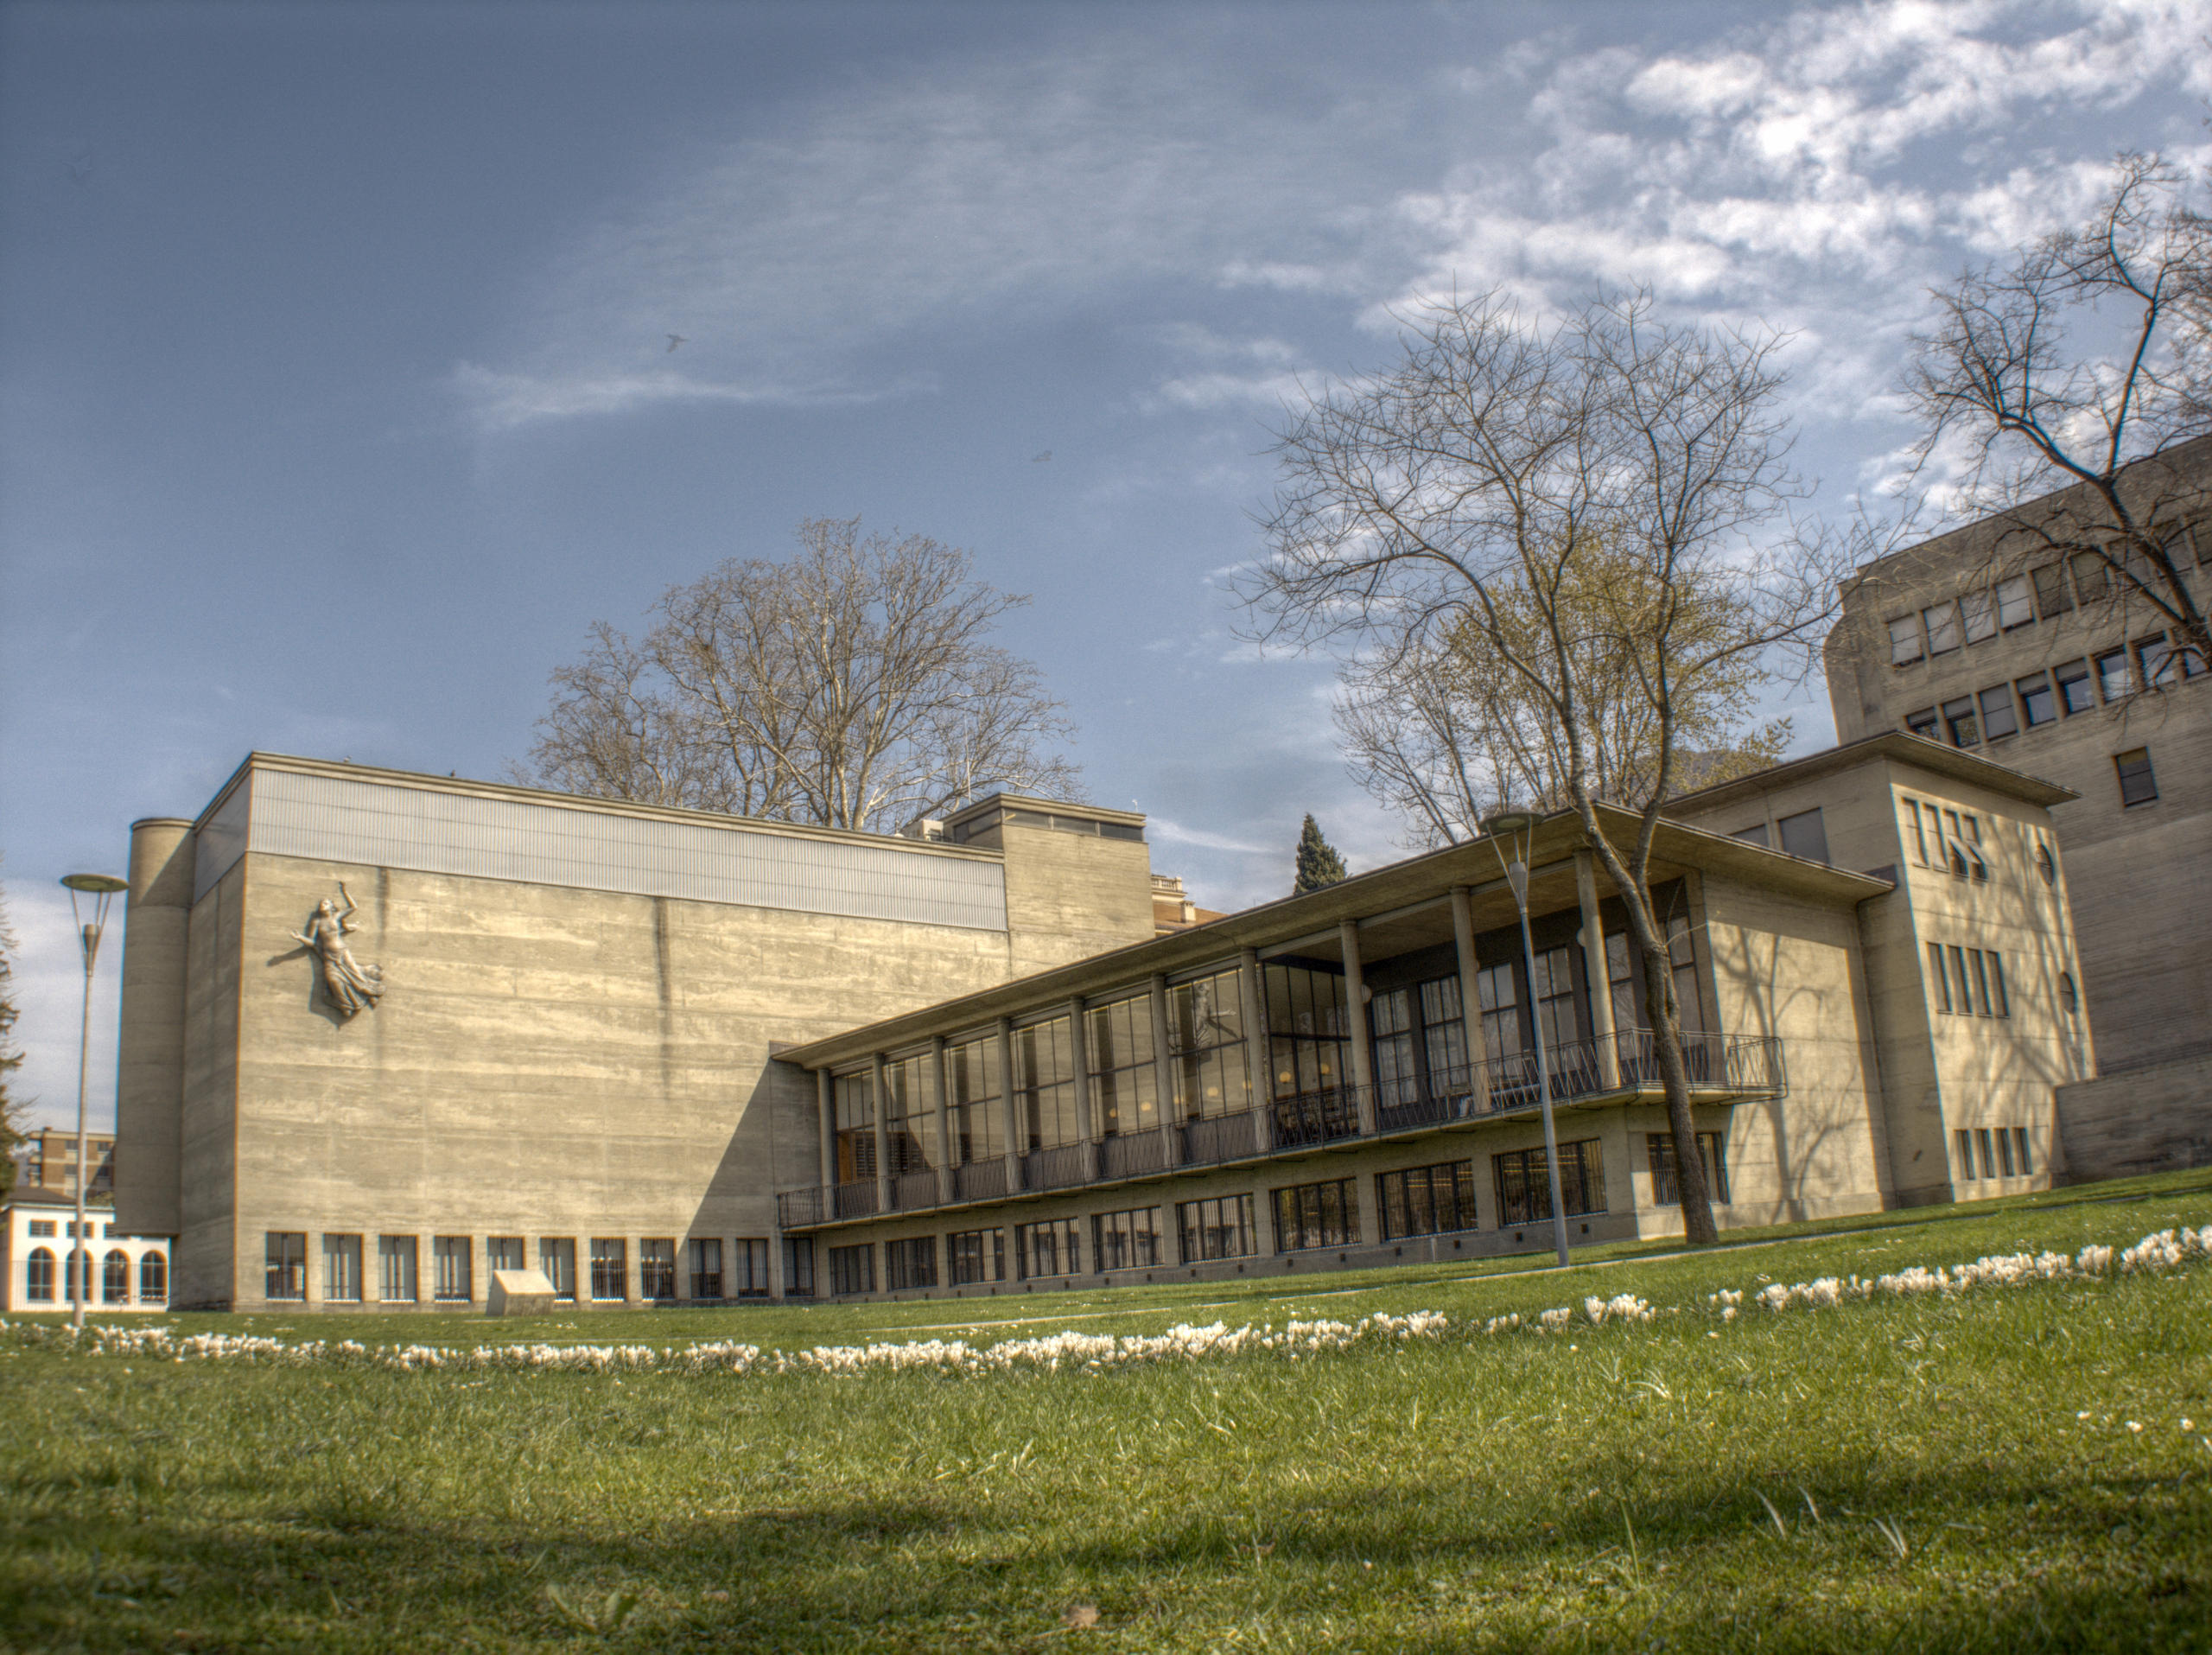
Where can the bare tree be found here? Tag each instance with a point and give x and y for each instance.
(852, 686)
(1476, 490)
(2063, 380)
(15, 1108)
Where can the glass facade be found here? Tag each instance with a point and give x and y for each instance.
(974, 1091)
(852, 1269)
(1205, 1041)
(1126, 1240)
(1126, 1079)
(1524, 1194)
(1044, 1084)
(1308, 1034)
(1426, 1200)
(976, 1257)
(852, 1107)
(1220, 1228)
(1316, 1215)
(909, 1262)
(909, 1131)
(1053, 1247)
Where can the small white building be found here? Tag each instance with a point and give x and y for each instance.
(123, 1272)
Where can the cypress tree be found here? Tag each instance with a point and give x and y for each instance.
(1318, 864)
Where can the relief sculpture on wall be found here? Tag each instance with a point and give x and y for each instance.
(350, 985)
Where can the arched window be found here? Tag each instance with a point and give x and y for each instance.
(153, 1279)
(38, 1276)
(115, 1277)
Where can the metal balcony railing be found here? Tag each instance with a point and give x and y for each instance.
(1578, 1072)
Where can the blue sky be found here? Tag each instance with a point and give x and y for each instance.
(336, 398)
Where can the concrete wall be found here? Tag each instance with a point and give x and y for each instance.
(2144, 1120)
(1069, 895)
(149, 1073)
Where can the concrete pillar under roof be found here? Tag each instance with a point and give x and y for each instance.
(1009, 1110)
(1163, 1066)
(1470, 1004)
(877, 1092)
(942, 1110)
(825, 1108)
(1362, 1078)
(1594, 972)
(1257, 1068)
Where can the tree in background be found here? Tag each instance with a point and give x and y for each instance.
(1594, 509)
(15, 1110)
(1318, 864)
(2081, 365)
(852, 686)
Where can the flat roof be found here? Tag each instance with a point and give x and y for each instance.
(1902, 746)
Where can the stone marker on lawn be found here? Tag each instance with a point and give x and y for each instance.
(520, 1293)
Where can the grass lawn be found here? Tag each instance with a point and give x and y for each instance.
(2003, 1468)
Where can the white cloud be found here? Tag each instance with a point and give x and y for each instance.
(1175, 833)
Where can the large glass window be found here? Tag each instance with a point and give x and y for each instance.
(798, 1267)
(2138, 783)
(1497, 992)
(1397, 1069)
(2052, 595)
(2015, 602)
(1904, 641)
(1942, 623)
(342, 1268)
(2115, 681)
(852, 1269)
(153, 1276)
(657, 1267)
(1049, 1247)
(974, 1092)
(749, 1269)
(1666, 1187)
(286, 1254)
(1960, 724)
(395, 1269)
(1426, 1200)
(1044, 1084)
(852, 1106)
(455, 1279)
(1997, 717)
(909, 1262)
(2036, 705)
(1555, 998)
(1126, 1240)
(909, 1133)
(1221, 1228)
(38, 1276)
(976, 1255)
(1206, 1038)
(707, 1267)
(1308, 1029)
(2075, 695)
(1121, 1051)
(1443, 1036)
(1316, 1215)
(115, 1277)
(1805, 835)
(610, 1267)
(1980, 615)
(1524, 1191)
(502, 1252)
(556, 1257)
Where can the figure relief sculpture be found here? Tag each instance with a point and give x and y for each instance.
(350, 985)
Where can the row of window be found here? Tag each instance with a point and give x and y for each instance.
(53, 1226)
(1968, 981)
(1946, 837)
(2065, 691)
(1802, 834)
(2003, 1152)
(1411, 1202)
(1974, 617)
(42, 1270)
(452, 1267)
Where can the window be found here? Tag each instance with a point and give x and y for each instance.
(2046, 862)
(1996, 717)
(556, 1257)
(1988, 1159)
(749, 1269)
(974, 1095)
(1391, 1042)
(852, 1108)
(1495, 990)
(1959, 722)
(1666, 1188)
(1205, 1041)
(1924, 722)
(1443, 1036)
(1981, 616)
(1942, 624)
(1938, 978)
(2000, 1004)
(2091, 576)
(909, 1134)
(977, 1256)
(1126, 1240)
(2114, 682)
(450, 1255)
(286, 1254)
(1919, 837)
(1426, 1200)
(395, 1269)
(2004, 1153)
(1220, 1228)
(1904, 641)
(1555, 998)
(2138, 784)
(705, 1267)
(1755, 834)
(152, 1277)
(1316, 1215)
(1961, 984)
(1981, 1003)
(909, 1262)
(2068, 995)
(798, 1267)
(2075, 695)
(1681, 951)
(1620, 979)
(342, 1268)
(1972, 845)
(1524, 1190)
(38, 1276)
(1043, 1084)
(504, 1252)
(2052, 595)
(610, 1267)
(1804, 835)
(2020, 1152)
(2036, 703)
(1309, 1032)
(115, 1277)
(1962, 1142)
(852, 1269)
(42, 1226)
(2015, 603)
(1120, 1052)
(656, 1269)
(1048, 1248)
(2156, 659)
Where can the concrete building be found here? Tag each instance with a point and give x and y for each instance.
(384, 1033)
(120, 1271)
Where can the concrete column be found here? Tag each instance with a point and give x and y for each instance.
(1362, 1078)
(942, 1109)
(1257, 1065)
(311, 1290)
(826, 1124)
(1086, 1123)
(877, 1092)
(1594, 973)
(1470, 1004)
(1009, 1110)
(1171, 1135)
(150, 1074)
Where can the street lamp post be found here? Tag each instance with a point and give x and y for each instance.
(100, 890)
(1516, 828)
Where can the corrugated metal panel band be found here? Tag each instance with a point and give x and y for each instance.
(378, 824)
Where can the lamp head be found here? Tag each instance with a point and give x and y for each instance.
(105, 884)
(1506, 823)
